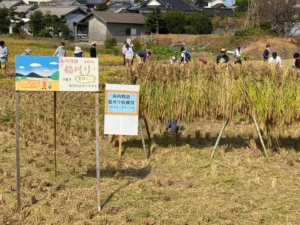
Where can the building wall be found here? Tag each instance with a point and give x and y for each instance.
(210, 3)
(97, 30)
(71, 18)
(118, 31)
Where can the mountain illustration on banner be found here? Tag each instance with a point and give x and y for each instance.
(49, 73)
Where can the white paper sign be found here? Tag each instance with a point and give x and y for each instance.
(121, 109)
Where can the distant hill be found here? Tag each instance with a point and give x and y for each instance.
(32, 75)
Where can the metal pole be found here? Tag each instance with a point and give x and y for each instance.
(143, 141)
(218, 140)
(54, 139)
(260, 138)
(97, 149)
(18, 152)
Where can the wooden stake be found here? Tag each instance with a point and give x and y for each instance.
(18, 152)
(97, 149)
(120, 145)
(54, 138)
(218, 140)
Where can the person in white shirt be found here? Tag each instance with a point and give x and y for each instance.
(128, 53)
(237, 55)
(123, 52)
(275, 59)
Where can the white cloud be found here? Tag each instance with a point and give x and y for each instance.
(35, 65)
(53, 63)
(21, 67)
(46, 70)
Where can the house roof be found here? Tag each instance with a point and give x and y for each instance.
(211, 11)
(58, 10)
(116, 7)
(124, 18)
(165, 5)
(219, 5)
(24, 8)
(115, 1)
(10, 4)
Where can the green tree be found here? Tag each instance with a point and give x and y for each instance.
(36, 23)
(18, 28)
(174, 21)
(197, 23)
(4, 20)
(200, 3)
(241, 7)
(155, 21)
(101, 7)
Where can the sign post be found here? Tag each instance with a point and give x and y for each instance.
(121, 110)
(44, 73)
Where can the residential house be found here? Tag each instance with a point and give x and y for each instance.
(220, 8)
(25, 28)
(100, 26)
(164, 5)
(25, 8)
(12, 5)
(117, 6)
(212, 3)
(71, 13)
(90, 4)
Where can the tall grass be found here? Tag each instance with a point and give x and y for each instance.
(195, 91)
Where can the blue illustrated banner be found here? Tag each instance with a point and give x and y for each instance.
(122, 103)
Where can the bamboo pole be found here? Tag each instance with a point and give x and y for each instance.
(18, 152)
(143, 140)
(120, 145)
(97, 149)
(260, 138)
(54, 138)
(218, 140)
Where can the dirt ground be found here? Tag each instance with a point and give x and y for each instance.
(285, 47)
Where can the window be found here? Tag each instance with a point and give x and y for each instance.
(130, 31)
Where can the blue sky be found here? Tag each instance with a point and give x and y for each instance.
(42, 65)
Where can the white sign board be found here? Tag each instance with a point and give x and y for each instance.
(121, 109)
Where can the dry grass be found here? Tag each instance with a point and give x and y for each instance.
(178, 184)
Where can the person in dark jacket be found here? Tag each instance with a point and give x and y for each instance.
(142, 56)
(93, 51)
(266, 53)
(222, 58)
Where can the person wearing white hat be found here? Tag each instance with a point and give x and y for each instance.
(174, 60)
(93, 51)
(78, 52)
(27, 52)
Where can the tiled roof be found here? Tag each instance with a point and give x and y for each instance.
(125, 18)
(166, 5)
(9, 4)
(24, 8)
(58, 11)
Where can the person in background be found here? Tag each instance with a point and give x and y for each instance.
(142, 56)
(128, 55)
(183, 55)
(174, 60)
(93, 51)
(123, 52)
(60, 51)
(223, 58)
(275, 59)
(173, 125)
(78, 52)
(266, 52)
(296, 63)
(3, 56)
(132, 47)
(202, 61)
(237, 55)
(27, 52)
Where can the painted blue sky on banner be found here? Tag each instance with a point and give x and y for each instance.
(43, 66)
